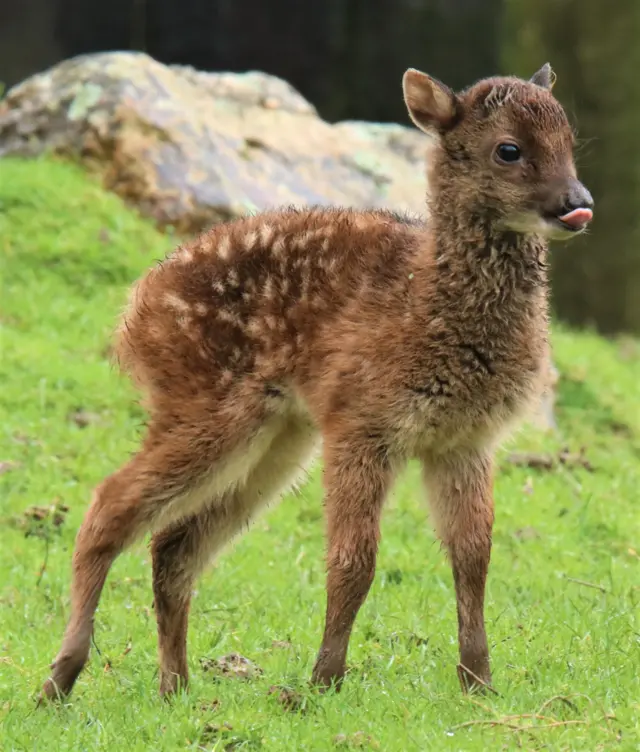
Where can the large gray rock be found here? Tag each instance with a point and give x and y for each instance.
(190, 148)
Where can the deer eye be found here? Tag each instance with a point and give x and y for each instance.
(508, 153)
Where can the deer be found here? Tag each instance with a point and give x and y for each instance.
(368, 338)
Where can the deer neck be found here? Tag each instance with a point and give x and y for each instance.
(476, 278)
(472, 252)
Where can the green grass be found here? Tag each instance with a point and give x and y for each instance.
(68, 251)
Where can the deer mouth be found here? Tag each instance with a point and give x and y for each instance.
(574, 221)
(552, 225)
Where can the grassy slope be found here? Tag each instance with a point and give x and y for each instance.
(68, 252)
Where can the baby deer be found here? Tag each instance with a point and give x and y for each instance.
(381, 337)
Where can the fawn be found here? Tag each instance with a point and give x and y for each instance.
(376, 337)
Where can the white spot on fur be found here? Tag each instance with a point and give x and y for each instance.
(177, 303)
(269, 291)
(224, 247)
(302, 241)
(266, 233)
(224, 314)
(250, 240)
(201, 309)
(184, 322)
(278, 245)
(331, 264)
(232, 278)
(218, 286)
(305, 285)
(255, 327)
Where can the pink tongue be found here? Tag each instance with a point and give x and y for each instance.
(577, 217)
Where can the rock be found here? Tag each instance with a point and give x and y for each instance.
(230, 666)
(189, 148)
(254, 89)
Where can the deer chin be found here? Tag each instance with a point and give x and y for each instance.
(533, 223)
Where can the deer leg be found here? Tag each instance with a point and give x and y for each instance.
(179, 553)
(357, 477)
(182, 551)
(124, 507)
(460, 494)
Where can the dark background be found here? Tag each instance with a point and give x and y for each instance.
(348, 56)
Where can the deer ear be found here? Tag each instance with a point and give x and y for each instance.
(545, 77)
(431, 104)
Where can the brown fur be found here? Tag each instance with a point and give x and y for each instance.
(385, 337)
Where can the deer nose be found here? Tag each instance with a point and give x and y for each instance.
(578, 207)
(578, 197)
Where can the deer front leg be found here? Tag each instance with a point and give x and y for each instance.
(357, 476)
(460, 494)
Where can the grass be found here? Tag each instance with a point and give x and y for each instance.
(563, 594)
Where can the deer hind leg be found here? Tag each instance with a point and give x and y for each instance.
(358, 473)
(179, 553)
(182, 551)
(460, 495)
(168, 478)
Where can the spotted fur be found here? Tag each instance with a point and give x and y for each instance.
(375, 336)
